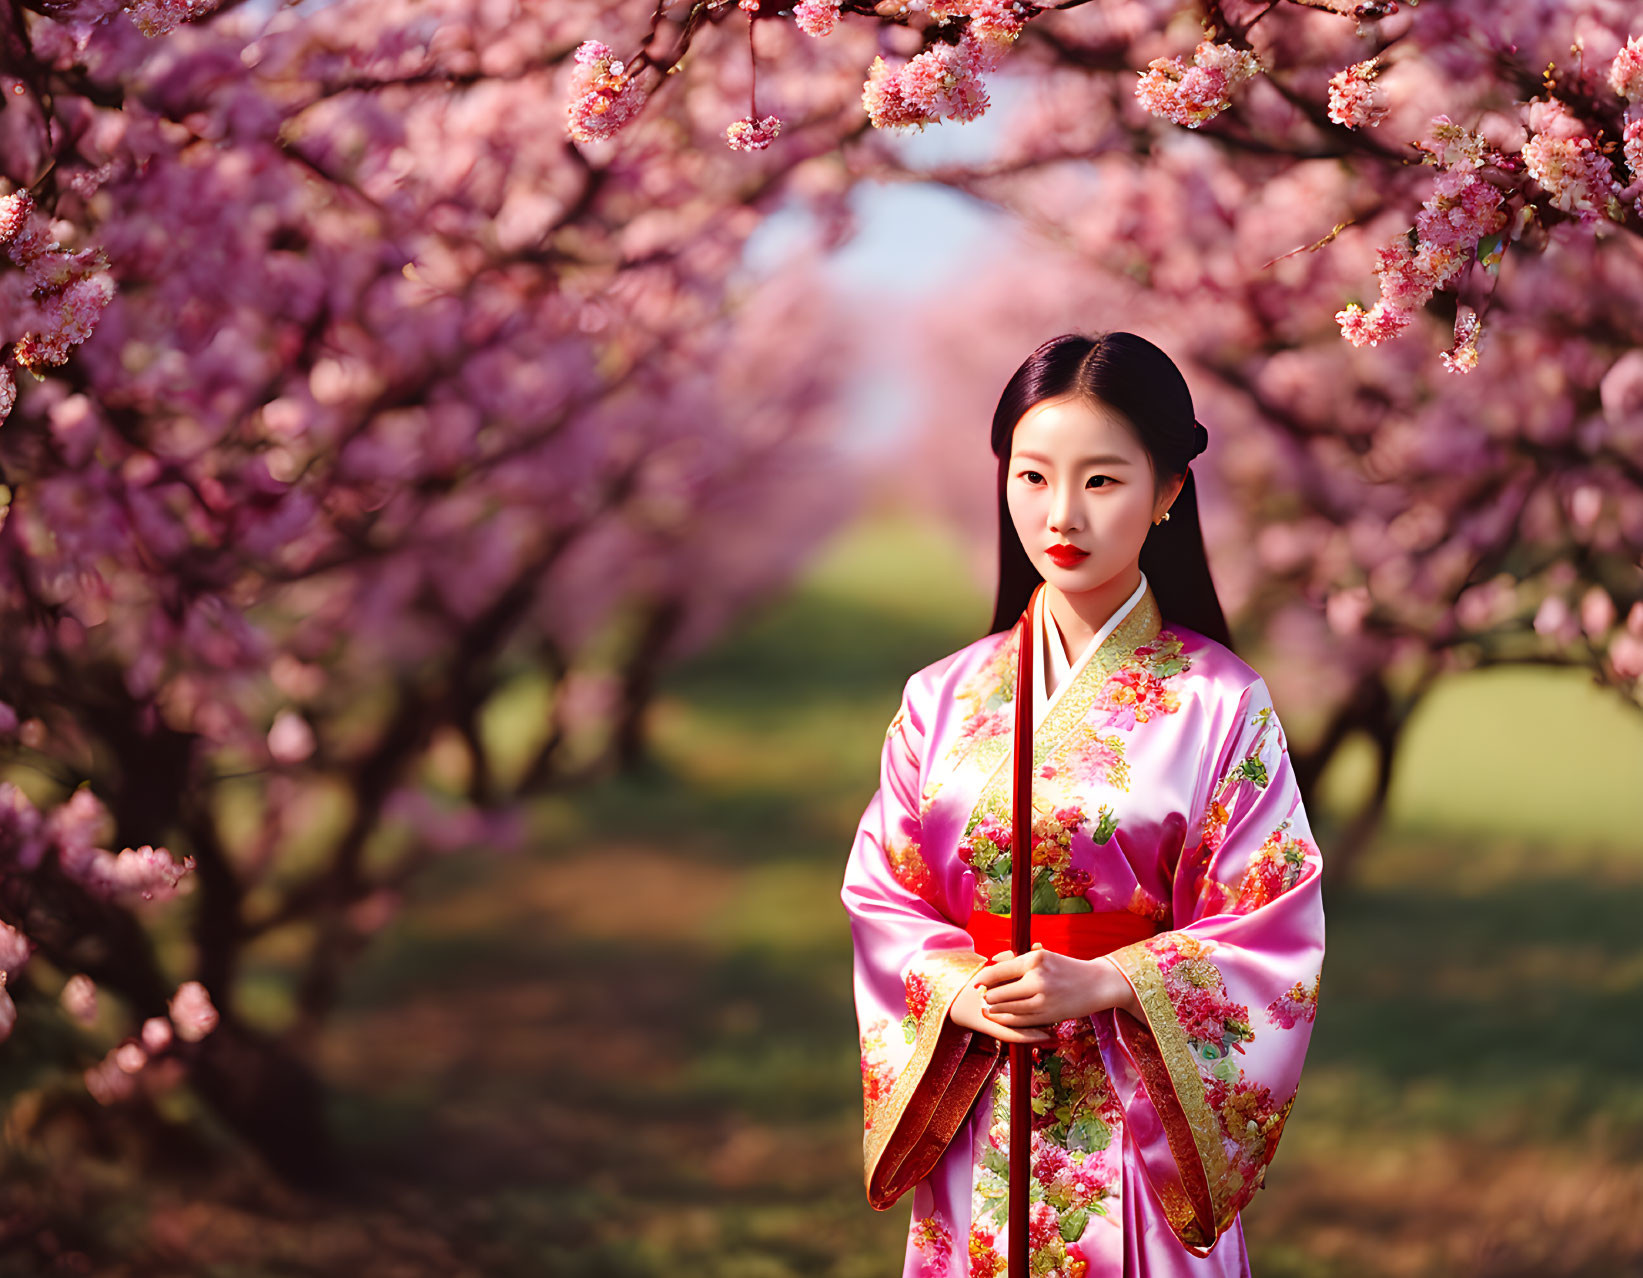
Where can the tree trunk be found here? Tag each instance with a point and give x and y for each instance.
(272, 1100)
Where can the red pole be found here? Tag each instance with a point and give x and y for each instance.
(1021, 889)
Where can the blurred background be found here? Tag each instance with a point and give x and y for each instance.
(455, 584)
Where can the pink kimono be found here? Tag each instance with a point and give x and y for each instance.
(1163, 788)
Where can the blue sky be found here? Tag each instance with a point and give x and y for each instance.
(879, 263)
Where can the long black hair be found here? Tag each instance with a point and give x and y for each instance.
(1132, 376)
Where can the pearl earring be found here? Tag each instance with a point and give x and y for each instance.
(1156, 522)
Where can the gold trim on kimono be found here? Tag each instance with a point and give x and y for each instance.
(935, 1088)
(1186, 1087)
(1140, 626)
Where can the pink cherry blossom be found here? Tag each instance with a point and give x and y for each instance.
(746, 135)
(156, 17)
(130, 1056)
(1453, 146)
(943, 81)
(604, 93)
(1190, 95)
(1626, 71)
(192, 1012)
(816, 17)
(1632, 140)
(15, 949)
(1597, 611)
(1565, 161)
(290, 739)
(107, 1082)
(79, 998)
(144, 873)
(998, 21)
(156, 1034)
(1354, 98)
(1626, 653)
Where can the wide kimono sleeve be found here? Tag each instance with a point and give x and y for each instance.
(1230, 991)
(921, 1072)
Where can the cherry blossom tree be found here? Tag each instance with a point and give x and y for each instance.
(359, 405)
(1557, 167)
(1373, 520)
(1301, 200)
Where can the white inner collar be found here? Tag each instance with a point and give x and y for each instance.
(1055, 670)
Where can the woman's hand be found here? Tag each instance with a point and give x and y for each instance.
(1042, 987)
(966, 1011)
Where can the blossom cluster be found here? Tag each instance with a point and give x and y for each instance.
(985, 843)
(1462, 209)
(1560, 156)
(1052, 836)
(150, 1057)
(1252, 1117)
(69, 833)
(1565, 160)
(1354, 99)
(931, 1239)
(1626, 79)
(1192, 94)
(918, 993)
(1074, 1157)
(1093, 758)
(750, 135)
(944, 81)
(816, 17)
(63, 841)
(605, 93)
(67, 292)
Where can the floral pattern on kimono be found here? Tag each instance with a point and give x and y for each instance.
(906, 1123)
(1090, 757)
(1075, 1161)
(1162, 787)
(1253, 875)
(930, 1238)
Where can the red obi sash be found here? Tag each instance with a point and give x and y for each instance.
(1083, 936)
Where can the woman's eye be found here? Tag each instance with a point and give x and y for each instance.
(1032, 476)
(1093, 484)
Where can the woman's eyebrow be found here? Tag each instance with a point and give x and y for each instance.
(1099, 459)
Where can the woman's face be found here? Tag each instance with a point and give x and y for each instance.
(1078, 477)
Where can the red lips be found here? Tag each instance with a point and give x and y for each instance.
(1067, 556)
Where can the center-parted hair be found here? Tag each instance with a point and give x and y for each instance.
(1131, 376)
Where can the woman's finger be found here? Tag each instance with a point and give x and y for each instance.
(1026, 984)
(1024, 1034)
(998, 973)
(1020, 1007)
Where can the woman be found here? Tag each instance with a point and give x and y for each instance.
(1175, 878)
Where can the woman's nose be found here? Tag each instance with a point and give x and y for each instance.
(1063, 514)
